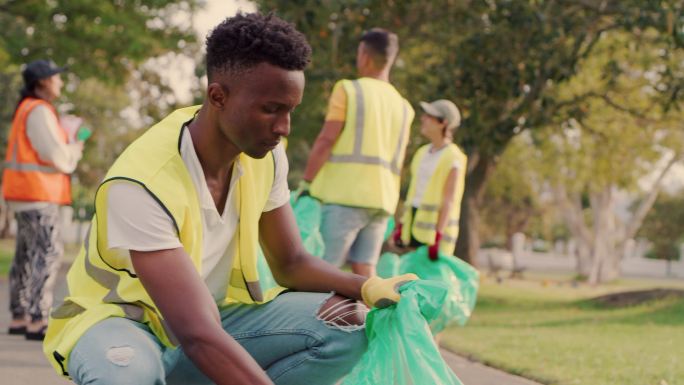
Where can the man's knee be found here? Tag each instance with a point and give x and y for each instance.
(349, 316)
(120, 365)
(343, 313)
(116, 351)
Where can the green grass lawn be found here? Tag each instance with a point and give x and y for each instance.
(7, 253)
(548, 331)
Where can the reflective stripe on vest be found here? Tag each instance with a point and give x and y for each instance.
(13, 164)
(356, 156)
(370, 148)
(110, 281)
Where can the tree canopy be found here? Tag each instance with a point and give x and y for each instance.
(664, 227)
(500, 61)
(104, 44)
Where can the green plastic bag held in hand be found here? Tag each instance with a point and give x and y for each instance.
(307, 211)
(390, 228)
(401, 349)
(388, 265)
(463, 281)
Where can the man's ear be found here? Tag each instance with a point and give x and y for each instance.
(217, 95)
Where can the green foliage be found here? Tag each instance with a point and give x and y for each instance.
(496, 59)
(512, 197)
(613, 133)
(105, 44)
(102, 39)
(664, 227)
(500, 61)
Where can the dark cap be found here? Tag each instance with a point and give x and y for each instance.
(40, 69)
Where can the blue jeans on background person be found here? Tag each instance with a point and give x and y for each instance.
(284, 336)
(353, 234)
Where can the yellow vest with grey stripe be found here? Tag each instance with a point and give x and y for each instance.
(365, 163)
(423, 226)
(102, 282)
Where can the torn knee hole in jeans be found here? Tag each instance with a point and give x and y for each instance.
(343, 314)
(120, 355)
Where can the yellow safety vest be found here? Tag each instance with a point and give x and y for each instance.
(364, 167)
(423, 226)
(103, 284)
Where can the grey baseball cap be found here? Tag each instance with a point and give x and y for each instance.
(443, 109)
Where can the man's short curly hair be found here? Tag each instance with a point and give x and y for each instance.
(245, 40)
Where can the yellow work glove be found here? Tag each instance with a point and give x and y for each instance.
(381, 292)
(302, 189)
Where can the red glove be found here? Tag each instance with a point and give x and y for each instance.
(396, 236)
(433, 250)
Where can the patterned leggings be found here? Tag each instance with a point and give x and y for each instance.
(36, 263)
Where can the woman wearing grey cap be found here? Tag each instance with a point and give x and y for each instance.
(35, 182)
(433, 204)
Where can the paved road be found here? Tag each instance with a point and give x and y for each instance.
(22, 362)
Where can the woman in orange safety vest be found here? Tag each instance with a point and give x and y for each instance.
(35, 182)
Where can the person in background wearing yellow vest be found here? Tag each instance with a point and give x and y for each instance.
(433, 203)
(356, 160)
(35, 182)
(171, 285)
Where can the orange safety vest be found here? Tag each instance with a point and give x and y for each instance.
(26, 177)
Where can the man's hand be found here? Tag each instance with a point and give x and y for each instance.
(381, 293)
(433, 250)
(396, 236)
(302, 189)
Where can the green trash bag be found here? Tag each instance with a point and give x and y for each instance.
(307, 211)
(390, 228)
(463, 281)
(401, 348)
(388, 265)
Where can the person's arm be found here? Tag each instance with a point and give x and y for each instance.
(322, 147)
(42, 130)
(293, 266)
(447, 200)
(186, 304)
(137, 224)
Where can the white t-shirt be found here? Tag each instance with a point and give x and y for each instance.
(135, 221)
(426, 167)
(42, 130)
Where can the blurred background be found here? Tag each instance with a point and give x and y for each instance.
(573, 126)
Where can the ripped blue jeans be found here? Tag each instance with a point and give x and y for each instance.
(287, 337)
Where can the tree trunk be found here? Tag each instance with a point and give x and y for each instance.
(571, 209)
(583, 254)
(480, 168)
(610, 242)
(605, 259)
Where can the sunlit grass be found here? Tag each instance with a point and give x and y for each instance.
(546, 329)
(7, 253)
